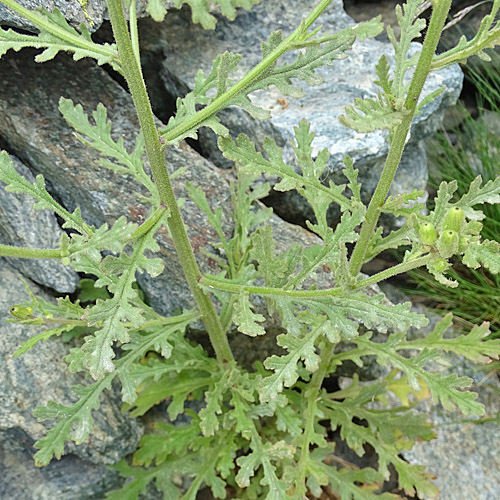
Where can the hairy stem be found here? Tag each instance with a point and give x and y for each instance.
(133, 75)
(134, 34)
(398, 138)
(146, 226)
(228, 286)
(29, 253)
(394, 271)
(171, 320)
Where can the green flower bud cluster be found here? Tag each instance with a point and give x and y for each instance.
(454, 237)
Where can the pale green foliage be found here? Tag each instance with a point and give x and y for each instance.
(245, 318)
(251, 161)
(263, 432)
(318, 51)
(18, 184)
(404, 204)
(382, 433)
(121, 307)
(477, 195)
(468, 345)
(388, 109)
(98, 136)
(58, 36)
(486, 254)
(368, 115)
(487, 37)
(34, 313)
(201, 9)
(411, 27)
(75, 422)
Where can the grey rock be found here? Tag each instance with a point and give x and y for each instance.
(187, 48)
(22, 225)
(32, 380)
(91, 13)
(70, 478)
(364, 11)
(465, 457)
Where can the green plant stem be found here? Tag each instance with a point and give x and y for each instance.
(30, 253)
(227, 286)
(133, 75)
(171, 320)
(221, 102)
(226, 317)
(398, 137)
(394, 271)
(41, 22)
(312, 392)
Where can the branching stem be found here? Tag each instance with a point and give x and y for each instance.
(311, 394)
(228, 286)
(221, 102)
(400, 133)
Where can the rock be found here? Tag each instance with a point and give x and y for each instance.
(35, 130)
(187, 48)
(92, 13)
(71, 478)
(32, 380)
(465, 457)
(22, 225)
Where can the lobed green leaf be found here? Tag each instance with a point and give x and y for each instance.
(18, 184)
(57, 35)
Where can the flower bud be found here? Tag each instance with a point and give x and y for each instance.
(447, 243)
(21, 312)
(427, 233)
(454, 220)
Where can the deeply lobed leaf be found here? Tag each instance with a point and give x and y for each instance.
(57, 35)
